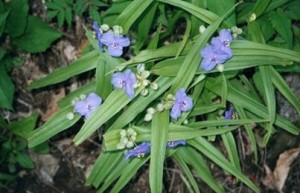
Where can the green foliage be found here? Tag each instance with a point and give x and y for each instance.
(64, 10)
(166, 40)
(13, 147)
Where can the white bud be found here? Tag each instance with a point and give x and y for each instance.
(140, 67)
(144, 92)
(185, 122)
(129, 144)
(148, 117)
(74, 101)
(82, 96)
(130, 131)
(170, 97)
(145, 82)
(252, 17)
(145, 74)
(133, 137)
(160, 107)
(125, 140)
(123, 132)
(202, 28)
(70, 116)
(117, 29)
(121, 146)
(151, 110)
(154, 85)
(104, 27)
(169, 104)
(220, 67)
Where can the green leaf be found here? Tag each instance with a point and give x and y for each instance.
(194, 158)
(68, 15)
(221, 7)
(260, 7)
(17, 19)
(53, 126)
(3, 17)
(103, 78)
(284, 89)
(202, 14)
(215, 155)
(6, 89)
(37, 37)
(231, 148)
(282, 25)
(24, 126)
(180, 160)
(159, 133)
(83, 64)
(24, 160)
(131, 13)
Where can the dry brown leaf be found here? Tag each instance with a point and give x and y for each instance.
(275, 180)
(53, 108)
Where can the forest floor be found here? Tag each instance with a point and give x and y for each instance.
(65, 167)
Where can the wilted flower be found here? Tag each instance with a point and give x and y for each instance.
(98, 34)
(86, 106)
(114, 43)
(172, 144)
(126, 81)
(182, 103)
(139, 151)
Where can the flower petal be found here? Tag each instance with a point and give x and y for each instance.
(81, 108)
(115, 51)
(187, 104)
(207, 65)
(118, 80)
(175, 111)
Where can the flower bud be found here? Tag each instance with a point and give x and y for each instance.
(145, 74)
(104, 27)
(160, 107)
(82, 96)
(148, 117)
(252, 17)
(144, 92)
(154, 85)
(129, 144)
(123, 132)
(140, 67)
(70, 116)
(151, 110)
(202, 28)
(117, 29)
(220, 67)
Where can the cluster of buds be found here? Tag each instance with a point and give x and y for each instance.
(165, 104)
(127, 138)
(236, 31)
(142, 80)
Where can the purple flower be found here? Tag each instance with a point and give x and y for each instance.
(114, 43)
(98, 32)
(125, 81)
(222, 42)
(182, 103)
(86, 106)
(228, 114)
(139, 151)
(211, 57)
(172, 144)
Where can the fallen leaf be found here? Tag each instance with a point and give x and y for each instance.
(275, 180)
(53, 108)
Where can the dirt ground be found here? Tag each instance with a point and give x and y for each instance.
(65, 167)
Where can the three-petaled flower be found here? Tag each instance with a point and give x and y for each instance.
(98, 33)
(228, 114)
(173, 144)
(114, 42)
(139, 151)
(126, 81)
(182, 103)
(86, 106)
(218, 52)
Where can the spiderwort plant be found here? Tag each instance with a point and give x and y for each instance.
(182, 103)
(218, 52)
(87, 105)
(98, 34)
(114, 42)
(125, 81)
(173, 144)
(139, 151)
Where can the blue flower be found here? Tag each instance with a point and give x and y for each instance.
(126, 81)
(228, 114)
(222, 42)
(172, 144)
(98, 34)
(211, 57)
(182, 103)
(114, 43)
(86, 106)
(139, 151)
